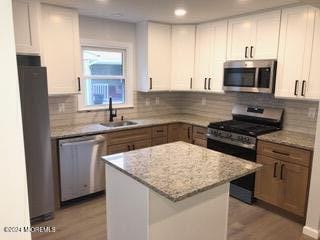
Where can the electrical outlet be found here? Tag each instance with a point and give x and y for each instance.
(61, 107)
(157, 100)
(312, 113)
(148, 102)
(204, 101)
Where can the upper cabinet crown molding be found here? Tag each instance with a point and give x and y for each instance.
(183, 56)
(61, 49)
(254, 36)
(26, 19)
(299, 54)
(153, 56)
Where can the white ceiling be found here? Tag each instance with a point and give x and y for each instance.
(163, 10)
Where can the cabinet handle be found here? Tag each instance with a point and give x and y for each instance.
(296, 88)
(150, 84)
(209, 84)
(281, 171)
(160, 131)
(205, 84)
(251, 51)
(133, 147)
(188, 132)
(303, 88)
(246, 52)
(79, 84)
(282, 153)
(129, 148)
(190, 83)
(275, 170)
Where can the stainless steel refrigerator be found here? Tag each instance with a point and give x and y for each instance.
(36, 130)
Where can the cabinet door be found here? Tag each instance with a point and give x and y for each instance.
(159, 141)
(312, 85)
(61, 49)
(294, 182)
(200, 142)
(119, 148)
(220, 37)
(174, 132)
(204, 55)
(26, 26)
(295, 47)
(265, 35)
(185, 133)
(141, 144)
(267, 186)
(159, 56)
(183, 51)
(239, 38)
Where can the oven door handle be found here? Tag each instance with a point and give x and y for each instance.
(243, 145)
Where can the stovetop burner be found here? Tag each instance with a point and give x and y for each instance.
(247, 128)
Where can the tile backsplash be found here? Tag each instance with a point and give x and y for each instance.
(298, 114)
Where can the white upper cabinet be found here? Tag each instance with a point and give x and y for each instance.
(294, 78)
(154, 56)
(26, 15)
(312, 86)
(61, 49)
(211, 48)
(254, 37)
(183, 56)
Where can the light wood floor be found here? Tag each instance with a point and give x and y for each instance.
(87, 221)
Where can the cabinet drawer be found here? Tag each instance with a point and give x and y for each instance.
(200, 132)
(284, 153)
(160, 131)
(200, 142)
(159, 141)
(129, 136)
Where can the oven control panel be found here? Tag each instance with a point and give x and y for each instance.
(232, 138)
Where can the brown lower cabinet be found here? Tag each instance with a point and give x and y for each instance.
(180, 132)
(199, 135)
(127, 140)
(283, 181)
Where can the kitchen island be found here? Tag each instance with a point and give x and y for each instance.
(175, 191)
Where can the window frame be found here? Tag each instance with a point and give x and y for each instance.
(127, 49)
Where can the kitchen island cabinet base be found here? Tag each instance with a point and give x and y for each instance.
(134, 212)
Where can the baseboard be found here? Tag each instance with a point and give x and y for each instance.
(311, 232)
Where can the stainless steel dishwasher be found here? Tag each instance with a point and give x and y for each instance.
(81, 169)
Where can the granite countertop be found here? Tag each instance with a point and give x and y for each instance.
(86, 129)
(289, 138)
(180, 170)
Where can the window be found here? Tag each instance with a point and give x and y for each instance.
(105, 75)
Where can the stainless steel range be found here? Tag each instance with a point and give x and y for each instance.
(238, 137)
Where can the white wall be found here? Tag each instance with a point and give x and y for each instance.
(13, 182)
(312, 227)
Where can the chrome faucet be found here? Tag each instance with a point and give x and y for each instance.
(112, 113)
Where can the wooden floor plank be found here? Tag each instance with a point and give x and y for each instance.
(87, 220)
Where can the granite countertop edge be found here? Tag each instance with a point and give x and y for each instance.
(185, 196)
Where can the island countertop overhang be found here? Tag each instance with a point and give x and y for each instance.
(180, 170)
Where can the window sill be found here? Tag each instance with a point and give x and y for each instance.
(104, 108)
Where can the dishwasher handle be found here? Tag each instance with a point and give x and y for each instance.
(71, 142)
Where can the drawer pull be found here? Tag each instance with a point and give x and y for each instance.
(275, 170)
(200, 133)
(281, 172)
(282, 153)
(160, 131)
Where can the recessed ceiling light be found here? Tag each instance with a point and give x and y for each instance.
(180, 12)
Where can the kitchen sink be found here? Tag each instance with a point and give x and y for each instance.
(119, 124)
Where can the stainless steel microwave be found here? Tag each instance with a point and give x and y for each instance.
(256, 76)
